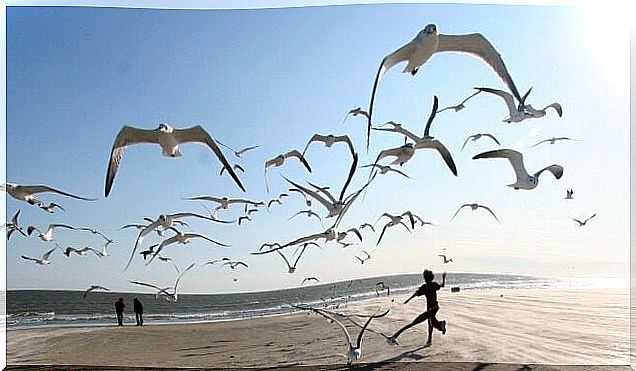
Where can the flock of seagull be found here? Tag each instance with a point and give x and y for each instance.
(332, 206)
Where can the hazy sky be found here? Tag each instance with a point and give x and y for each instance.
(274, 77)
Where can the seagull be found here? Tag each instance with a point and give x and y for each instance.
(27, 193)
(104, 252)
(341, 235)
(582, 223)
(425, 141)
(428, 42)
(355, 112)
(568, 194)
(238, 153)
(212, 262)
(95, 231)
(225, 202)
(274, 200)
(542, 112)
(395, 220)
(362, 260)
(475, 207)
(524, 180)
(446, 260)
(460, 106)
(93, 288)
(234, 264)
(292, 268)
(48, 235)
(517, 112)
(50, 207)
(552, 140)
(81, 252)
(164, 221)
(244, 217)
(14, 226)
(307, 200)
(280, 160)
(182, 239)
(309, 214)
(380, 286)
(168, 259)
(367, 225)
(478, 136)
(385, 169)
(44, 260)
(169, 139)
(235, 167)
(354, 352)
(329, 141)
(308, 279)
(171, 297)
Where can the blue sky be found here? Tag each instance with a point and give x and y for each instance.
(274, 77)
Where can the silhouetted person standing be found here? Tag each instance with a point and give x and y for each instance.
(139, 311)
(119, 309)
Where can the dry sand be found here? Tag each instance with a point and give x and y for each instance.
(522, 327)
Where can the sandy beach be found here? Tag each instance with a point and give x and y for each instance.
(521, 327)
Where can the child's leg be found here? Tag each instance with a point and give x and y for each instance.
(419, 319)
(430, 331)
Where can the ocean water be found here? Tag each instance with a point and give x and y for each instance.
(47, 308)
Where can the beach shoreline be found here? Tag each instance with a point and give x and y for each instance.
(529, 326)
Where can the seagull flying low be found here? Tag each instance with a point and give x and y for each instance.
(27, 193)
(426, 141)
(380, 286)
(428, 42)
(474, 207)
(94, 288)
(476, 137)
(524, 180)
(582, 223)
(308, 279)
(44, 260)
(171, 297)
(552, 140)
(169, 139)
(446, 260)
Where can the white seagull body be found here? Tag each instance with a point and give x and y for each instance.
(517, 113)
(524, 180)
(169, 139)
(428, 42)
(48, 235)
(44, 260)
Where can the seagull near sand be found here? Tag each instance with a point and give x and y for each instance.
(169, 296)
(459, 106)
(92, 288)
(478, 136)
(44, 260)
(425, 141)
(552, 140)
(582, 223)
(524, 180)
(428, 42)
(380, 286)
(169, 139)
(48, 235)
(27, 193)
(475, 206)
(14, 226)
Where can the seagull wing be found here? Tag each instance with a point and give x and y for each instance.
(457, 212)
(313, 194)
(400, 55)
(241, 151)
(491, 137)
(477, 45)
(297, 154)
(590, 217)
(431, 117)
(359, 340)
(48, 253)
(127, 136)
(443, 151)
(466, 141)
(515, 158)
(399, 129)
(352, 171)
(195, 235)
(315, 138)
(30, 258)
(147, 285)
(382, 234)
(176, 283)
(556, 170)
(557, 107)
(507, 97)
(198, 134)
(491, 212)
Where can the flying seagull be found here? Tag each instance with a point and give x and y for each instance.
(552, 140)
(428, 42)
(446, 260)
(27, 193)
(582, 223)
(459, 106)
(363, 259)
(169, 139)
(474, 207)
(44, 260)
(92, 288)
(478, 136)
(330, 140)
(50, 208)
(14, 226)
(48, 235)
(524, 180)
(517, 112)
(568, 194)
(238, 153)
(309, 279)
(385, 169)
(535, 113)
(355, 112)
(170, 296)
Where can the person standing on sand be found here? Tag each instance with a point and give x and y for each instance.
(119, 309)
(429, 290)
(139, 311)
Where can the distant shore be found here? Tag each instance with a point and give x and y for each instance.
(513, 327)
